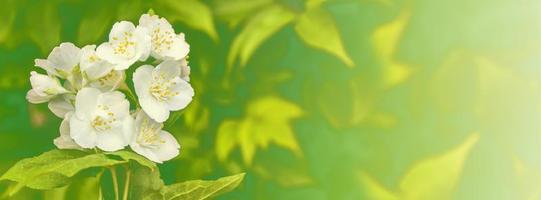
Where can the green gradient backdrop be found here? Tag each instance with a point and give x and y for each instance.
(440, 100)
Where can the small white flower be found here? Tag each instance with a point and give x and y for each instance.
(166, 44)
(101, 120)
(64, 141)
(44, 88)
(61, 61)
(92, 66)
(126, 45)
(161, 90)
(151, 141)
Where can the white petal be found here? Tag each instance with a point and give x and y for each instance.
(169, 149)
(184, 96)
(109, 82)
(146, 152)
(141, 80)
(65, 141)
(143, 43)
(168, 69)
(155, 109)
(92, 65)
(34, 98)
(117, 103)
(64, 57)
(179, 48)
(83, 133)
(59, 106)
(111, 140)
(184, 70)
(85, 102)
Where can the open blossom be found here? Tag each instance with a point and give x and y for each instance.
(61, 61)
(101, 120)
(161, 89)
(64, 141)
(62, 104)
(127, 44)
(151, 141)
(165, 44)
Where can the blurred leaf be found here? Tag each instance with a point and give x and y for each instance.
(435, 178)
(528, 180)
(193, 13)
(317, 28)
(144, 181)
(258, 29)
(236, 11)
(94, 25)
(266, 121)
(43, 26)
(8, 12)
(54, 168)
(200, 189)
(386, 40)
(129, 155)
(375, 190)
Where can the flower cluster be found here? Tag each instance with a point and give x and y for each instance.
(83, 86)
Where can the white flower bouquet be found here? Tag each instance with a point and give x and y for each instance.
(87, 88)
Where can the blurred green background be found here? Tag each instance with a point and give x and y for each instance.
(337, 99)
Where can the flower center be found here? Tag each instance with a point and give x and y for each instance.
(101, 123)
(161, 40)
(149, 134)
(122, 45)
(161, 89)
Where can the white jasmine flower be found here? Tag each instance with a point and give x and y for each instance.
(62, 104)
(101, 120)
(151, 141)
(110, 81)
(64, 141)
(44, 88)
(61, 61)
(92, 66)
(166, 44)
(126, 45)
(161, 90)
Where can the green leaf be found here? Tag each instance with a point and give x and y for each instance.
(175, 115)
(236, 11)
(54, 168)
(200, 189)
(260, 127)
(43, 26)
(7, 18)
(258, 29)
(317, 28)
(94, 25)
(435, 178)
(128, 155)
(193, 13)
(145, 181)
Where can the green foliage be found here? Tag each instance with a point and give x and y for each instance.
(317, 28)
(199, 189)
(261, 126)
(54, 169)
(258, 29)
(193, 13)
(129, 155)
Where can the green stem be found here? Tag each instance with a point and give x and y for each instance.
(127, 184)
(129, 93)
(115, 181)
